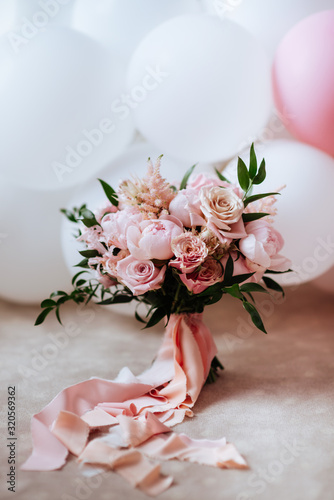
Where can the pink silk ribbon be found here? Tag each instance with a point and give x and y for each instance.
(134, 415)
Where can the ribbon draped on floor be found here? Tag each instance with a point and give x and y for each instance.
(123, 424)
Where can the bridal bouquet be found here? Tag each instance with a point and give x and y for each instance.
(176, 249)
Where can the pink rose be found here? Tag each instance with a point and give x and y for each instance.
(115, 226)
(262, 246)
(152, 239)
(190, 251)
(186, 206)
(223, 209)
(140, 275)
(209, 273)
(240, 267)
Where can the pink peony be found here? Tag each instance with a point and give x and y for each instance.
(209, 273)
(106, 208)
(190, 251)
(140, 275)
(152, 239)
(261, 247)
(115, 226)
(186, 206)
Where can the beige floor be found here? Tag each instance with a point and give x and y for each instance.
(274, 400)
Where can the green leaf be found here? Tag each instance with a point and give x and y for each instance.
(261, 175)
(42, 316)
(185, 179)
(71, 217)
(269, 271)
(252, 162)
(215, 298)
(48, 303)
(109, 192)
(253, 216)
(229, 269)
(83, 263)
(157, 316)
(138, 318)
(239, 278)
(273, 285)
(58, 292)
(80, 282)
(76, 276)
(89, 222)
(234, 291)
(255, 316)
(63, 299)
(116, 299)
(211, 290)
(221, 176)
(89, 253)
(253, 287)
(256, 197)
(58, 315)
(243, 175)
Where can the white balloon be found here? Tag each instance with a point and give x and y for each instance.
(120, 25)
(132, 162)
(210, 89)
(35, 15)
(305, 209)
(56, 121)
(268, 20)
(325, 282)
(31, 261)
(7, 17)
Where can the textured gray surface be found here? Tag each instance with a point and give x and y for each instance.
(274, 400)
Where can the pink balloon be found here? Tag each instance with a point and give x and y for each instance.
(303, 80)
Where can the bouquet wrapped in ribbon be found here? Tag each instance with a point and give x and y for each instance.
(176, 249)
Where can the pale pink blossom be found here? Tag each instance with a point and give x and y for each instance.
(140, 276)
(262, 245)
(152, 239)
(186, 206)
(190, 251)
(209, 273)
(91, 236)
